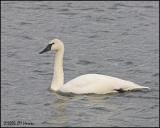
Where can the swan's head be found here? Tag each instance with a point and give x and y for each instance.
(55, 45)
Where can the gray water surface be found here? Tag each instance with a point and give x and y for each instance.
(119, 39)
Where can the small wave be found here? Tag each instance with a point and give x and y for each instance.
(45, 122)
(44, 63)
(85, 62)
(127, 33)
(49, 8)
(20, 8)
(43, 5)
(38, 71)
(138, 71)
(155, 74)
(47, 104)
(32, 77)
(148, 6)
(86, 9)
(129, 108)
(147, 82)
(129, 63)
(11, 54)
(105, 31)
(69, 13)
(6, 83)
(64, 10)
(42, 72)
(99, 10)
(67, 69)
(145, 15)
(114, 60)
(24, 23)
(46, 7)
(93, 36)
(100, 108)
(115, 42)
(33, 8)
(154, 106)
(142, 97)
(117, 5)
(106, 18)
(13, 109)
(69, 5)
(113, 8)
(21, 103)
(48, 74)
(27, 37)
(66, 58)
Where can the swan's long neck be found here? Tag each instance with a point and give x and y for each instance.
(58, 76)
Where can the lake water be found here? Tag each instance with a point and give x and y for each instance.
(119, 39)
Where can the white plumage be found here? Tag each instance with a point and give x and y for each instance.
(99, 84)
(89, 83)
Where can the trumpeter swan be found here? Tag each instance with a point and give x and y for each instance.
(89, 83)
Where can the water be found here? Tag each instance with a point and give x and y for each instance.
(119, 39)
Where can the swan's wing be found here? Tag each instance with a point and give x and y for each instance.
(100, 84)
(89, 83)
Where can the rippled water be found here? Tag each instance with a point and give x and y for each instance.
(114, 38)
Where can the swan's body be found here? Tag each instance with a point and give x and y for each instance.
(89, 83)
(99, 84)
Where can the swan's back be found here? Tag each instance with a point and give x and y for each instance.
(99, 84)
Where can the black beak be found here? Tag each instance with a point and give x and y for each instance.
(48, 48)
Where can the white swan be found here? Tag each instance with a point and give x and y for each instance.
(89, 83)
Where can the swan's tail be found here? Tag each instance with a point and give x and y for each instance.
(143, 87)
(137, 87)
